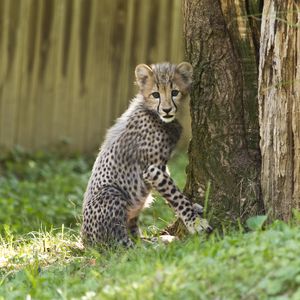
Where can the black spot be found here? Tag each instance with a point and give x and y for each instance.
(162, 183)
(156, 175)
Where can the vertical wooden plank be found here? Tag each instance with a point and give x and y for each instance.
(90, 93)
(107, 81)
(117, 39)
(163, 31)
(48, 70)
(176, 51)
(44, 94)
(126, 84)
(140, 35)
(62, 100)
(62, 23)
(93, 122)
(12, 75)
(129, 75)
(101, 102)
(33, 67)
(73, 85)
(25, 118)
(3, 66)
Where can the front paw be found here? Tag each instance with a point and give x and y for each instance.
(198, 209)
(198, 225)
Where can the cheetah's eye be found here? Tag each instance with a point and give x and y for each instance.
(156, 95)
(174, 93)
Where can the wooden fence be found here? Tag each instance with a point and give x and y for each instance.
(67, 66)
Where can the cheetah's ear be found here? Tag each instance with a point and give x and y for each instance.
(183, 76)
(143, 75)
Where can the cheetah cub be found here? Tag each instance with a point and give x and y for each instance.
(132, 160)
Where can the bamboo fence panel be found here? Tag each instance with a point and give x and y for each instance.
(67, 66)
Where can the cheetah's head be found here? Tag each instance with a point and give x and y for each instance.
(163, 86)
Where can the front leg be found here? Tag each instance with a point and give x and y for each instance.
(189, 213)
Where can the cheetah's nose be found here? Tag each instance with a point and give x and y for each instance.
(167, 110)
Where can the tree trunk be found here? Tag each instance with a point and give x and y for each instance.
(221, 43)
(279, 107)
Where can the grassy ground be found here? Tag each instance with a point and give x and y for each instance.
(42, 259)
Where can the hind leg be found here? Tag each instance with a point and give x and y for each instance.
(133, 228)
(118, 235)
(105, 218)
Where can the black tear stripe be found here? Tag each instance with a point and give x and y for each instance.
(159, 97)
(171, 85)
(158, 105)
(174, 104)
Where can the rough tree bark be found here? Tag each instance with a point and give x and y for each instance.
(221, 42)
(221, 45)
(279, 107)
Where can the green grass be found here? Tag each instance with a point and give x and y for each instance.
(41, 191)
(42, 259)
